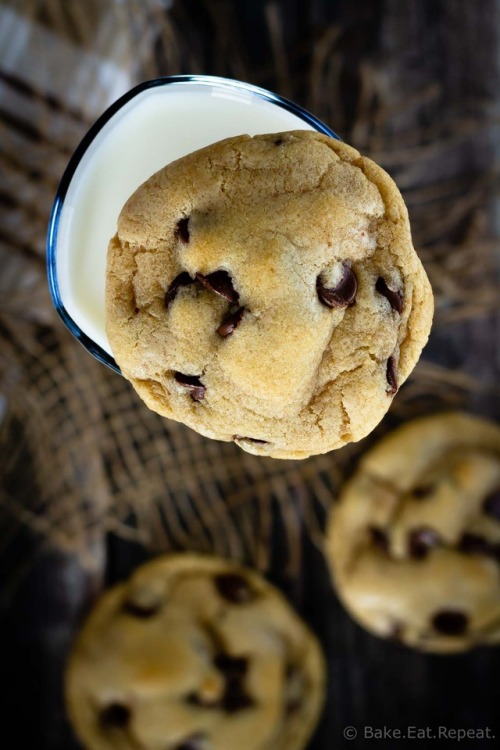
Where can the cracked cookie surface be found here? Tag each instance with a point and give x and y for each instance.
(194, 653)
(265, 290)
(414, 542)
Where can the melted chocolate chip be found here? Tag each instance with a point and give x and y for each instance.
(235, 699)
(234, 588)
(182, 230)
(232, 667)
(397, 632)
(474, 544)
(392, 376)
(279, 141)
(251, 440)
(292, 671)
(450, 622)
(193, 384)
(379, 539)
(292, 706)
(230, 322)
(195, 742)
(234, 670)
(114, 716)
(395, 298)
(342, 295)
(183, 279)
(142, 611)
(422, 491)
(421, 540)
(219, 282)
(491, 505)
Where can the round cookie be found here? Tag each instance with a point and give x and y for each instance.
(414, 542)
(265, 290)
(194, 653)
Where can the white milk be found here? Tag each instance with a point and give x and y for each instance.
(154, 128)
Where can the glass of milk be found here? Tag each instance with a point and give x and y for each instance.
(150, 126)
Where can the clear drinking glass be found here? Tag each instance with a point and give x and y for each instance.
(150, 126)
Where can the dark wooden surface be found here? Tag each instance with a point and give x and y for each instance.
(371, 683)
(439, 60)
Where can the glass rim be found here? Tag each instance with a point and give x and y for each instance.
(52, 233)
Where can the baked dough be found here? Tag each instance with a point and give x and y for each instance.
(194, 653)
(414, 542)
(265, 290)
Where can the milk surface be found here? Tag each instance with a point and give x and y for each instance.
(157, 126)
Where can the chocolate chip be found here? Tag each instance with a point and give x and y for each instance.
(232, 667)
(195, 742)
(219, 282)
(342, 295)
(292, 671)
(397, 632)
(491, 505)
(392, 376)
(450, 622)
(182, 230)
(192, 383)
(395, 298)
(142, 611)
(183, 279)
(234, 588)
(234, 670)
(251, 440)
(114, 716)
(421, 540)
(292, 706)
(235, 699)
(279, 142)
(474, 544)
(230, 322)
(422, 490)
(379, 539)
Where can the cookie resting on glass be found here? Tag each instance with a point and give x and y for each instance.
(195, 653)
(265, 290)
(414, 542)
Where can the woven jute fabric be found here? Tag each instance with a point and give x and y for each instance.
(80, 455)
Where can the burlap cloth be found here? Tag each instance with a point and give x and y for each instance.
(80, 456)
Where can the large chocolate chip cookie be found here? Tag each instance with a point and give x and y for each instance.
(194, 653)
(265, 290)
(414, 542)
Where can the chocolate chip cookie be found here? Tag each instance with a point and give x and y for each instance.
(414, 542)
(194, 653)
(265, 290)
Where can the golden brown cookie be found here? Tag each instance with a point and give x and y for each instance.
(414, 542)
(194, 653)
(265, 290)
